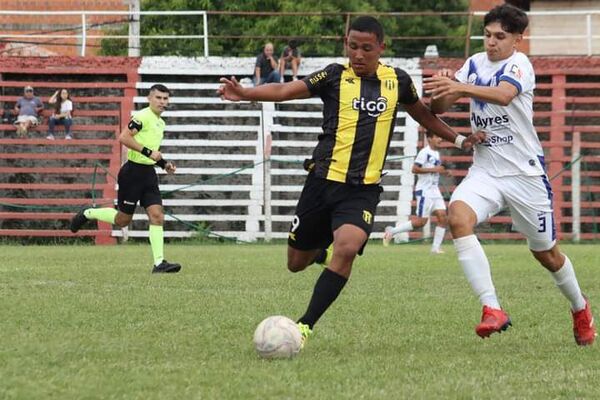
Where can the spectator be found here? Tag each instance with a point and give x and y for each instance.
(61, 115)
(28, 109)
(290, 59)
(266, 70)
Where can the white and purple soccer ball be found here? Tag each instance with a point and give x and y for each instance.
(277, 337)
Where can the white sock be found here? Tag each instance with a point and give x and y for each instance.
(567, 283)
(404, 227)
(438, 237)
(477, 269)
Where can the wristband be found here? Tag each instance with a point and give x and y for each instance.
(162, 163)
(146, 151)
(458, 141)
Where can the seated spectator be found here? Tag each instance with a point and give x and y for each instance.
(63, 107)
(28, 109)
(265, 70)
(290, 59)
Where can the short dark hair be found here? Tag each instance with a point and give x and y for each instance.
(367, 24)
(293, 43)
(161, 88)
(511, 18)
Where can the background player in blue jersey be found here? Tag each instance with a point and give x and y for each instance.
(429, 200)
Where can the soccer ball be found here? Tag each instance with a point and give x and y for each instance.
(277, 337)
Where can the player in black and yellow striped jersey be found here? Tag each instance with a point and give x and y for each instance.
(341, 193)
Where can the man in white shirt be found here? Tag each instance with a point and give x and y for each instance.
(428, 167)
(508, 168)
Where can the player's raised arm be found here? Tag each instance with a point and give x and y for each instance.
(232, 90)
(445, 91)
(440, 104)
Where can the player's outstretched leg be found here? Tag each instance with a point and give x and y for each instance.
(100, 214)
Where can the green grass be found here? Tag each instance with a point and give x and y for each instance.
(85, 322)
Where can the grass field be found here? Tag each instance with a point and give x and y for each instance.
(85, 322)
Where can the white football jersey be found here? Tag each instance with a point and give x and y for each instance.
(428, 184)
(512, 146)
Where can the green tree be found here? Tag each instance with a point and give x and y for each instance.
(320, 35)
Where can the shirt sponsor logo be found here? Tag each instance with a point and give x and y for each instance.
(492, 141)
(487, 122)
(374, 108)
(319, 76)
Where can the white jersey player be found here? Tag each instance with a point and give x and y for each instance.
(508, 168)
(428, 167)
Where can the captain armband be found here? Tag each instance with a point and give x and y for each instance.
(133, 124)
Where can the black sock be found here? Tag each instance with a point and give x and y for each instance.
(320, 258)
(328, 287)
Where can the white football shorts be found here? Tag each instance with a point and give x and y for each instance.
(528, 198)
(426, 205)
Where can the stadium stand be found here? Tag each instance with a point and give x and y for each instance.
(240, 164)
(43, 182)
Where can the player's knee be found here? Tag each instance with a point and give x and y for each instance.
(442, 220)
(346, 250)
(551, 259)
(156, 218)
(295, 266)
(419, 222)
(122, 220)
(456, 222)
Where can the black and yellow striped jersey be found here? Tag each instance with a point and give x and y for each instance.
(359, 115)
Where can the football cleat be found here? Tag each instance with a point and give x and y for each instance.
(387, 236)
(583, 325)
(437, 251)
(78, 221)
(492, 320)
(305, 331)
(328, 255)
(166, 267)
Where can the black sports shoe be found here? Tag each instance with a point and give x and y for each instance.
(166, 267)
(78, 221)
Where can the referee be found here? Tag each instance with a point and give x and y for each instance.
(137, 177)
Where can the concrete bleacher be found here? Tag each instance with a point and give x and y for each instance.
(43, 182)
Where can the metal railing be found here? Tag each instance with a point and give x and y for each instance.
(133, 18)
(83, 36)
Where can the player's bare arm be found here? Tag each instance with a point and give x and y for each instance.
(440, 87)
(232, 90)
(423, 115)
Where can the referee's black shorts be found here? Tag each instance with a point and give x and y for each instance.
(137, 182)
(326, 205)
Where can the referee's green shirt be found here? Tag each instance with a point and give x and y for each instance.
(150, 135)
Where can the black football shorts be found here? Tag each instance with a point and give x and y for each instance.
(137, 182)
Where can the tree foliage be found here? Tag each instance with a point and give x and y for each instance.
(320, 35)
